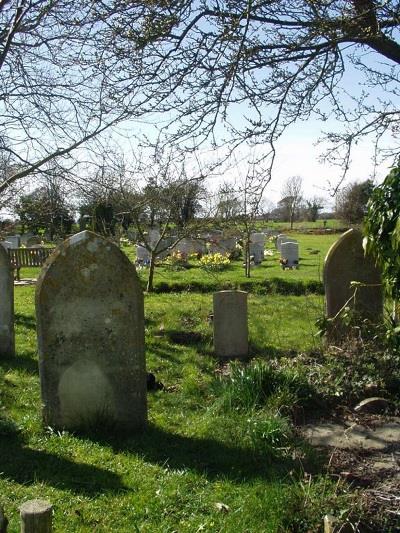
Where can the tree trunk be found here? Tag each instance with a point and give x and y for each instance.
(247, 259)
(150, 278)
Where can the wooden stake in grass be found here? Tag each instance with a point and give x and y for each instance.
(36, 516)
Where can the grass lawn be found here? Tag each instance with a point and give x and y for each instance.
(267, 277)
(221, 452)
(200, 466)
(313, 249)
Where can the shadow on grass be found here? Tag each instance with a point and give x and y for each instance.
(27, 362)
(205, 456)
(269, 351)
(185, 337)
(25, 321)
(176, 353)
(26, 466)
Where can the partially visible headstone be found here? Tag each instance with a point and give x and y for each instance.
(191, 246)
(257, 251)
(25, 237)
(7, 336)
(12, 241)
(280, 238)
(142, 254)
(153, 237)
(227, 245)
(345, 262)
(258, 238)
(373, 405)
(33, 241)
(230, 324)
(290, 254)
(90, 320)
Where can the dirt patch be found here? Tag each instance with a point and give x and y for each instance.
(364, 450)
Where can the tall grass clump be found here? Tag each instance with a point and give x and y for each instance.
(259, 384)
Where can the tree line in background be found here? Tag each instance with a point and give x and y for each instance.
(113, 205)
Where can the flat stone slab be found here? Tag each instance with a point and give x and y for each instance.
(25, 281)
(354, 435)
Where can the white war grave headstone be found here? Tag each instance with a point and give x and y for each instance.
(90, 321)
(230, 324)
(290, 254)
(7, 336)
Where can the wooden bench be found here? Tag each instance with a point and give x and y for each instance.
(28, 257)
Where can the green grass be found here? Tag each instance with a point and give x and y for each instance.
(265, 278)
(198, 452)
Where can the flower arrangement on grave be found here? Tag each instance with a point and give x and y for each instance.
(176, 260)
(214, 262)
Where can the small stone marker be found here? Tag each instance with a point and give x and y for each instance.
(7, 336)
(36, 516)
(346, 262)
(230, 324)
(90, 319)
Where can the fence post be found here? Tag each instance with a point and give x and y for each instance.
(36, 516)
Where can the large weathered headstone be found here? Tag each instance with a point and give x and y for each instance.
(345, 262)
(230, 324)
(90, 320)
(7, 342)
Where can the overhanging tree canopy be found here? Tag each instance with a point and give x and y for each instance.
(259, 66)
(70, 69)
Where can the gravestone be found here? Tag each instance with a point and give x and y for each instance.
(7, 337)
(227, 245)
(290, 254)
(280, 238)
(257, 238)
(230, 324)
(142, 254)
(25, 237)
(257, 251)
(14, 240)
(90, 321)
(346, 262)
(153, 237)
(33, 241)
(190, 246)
